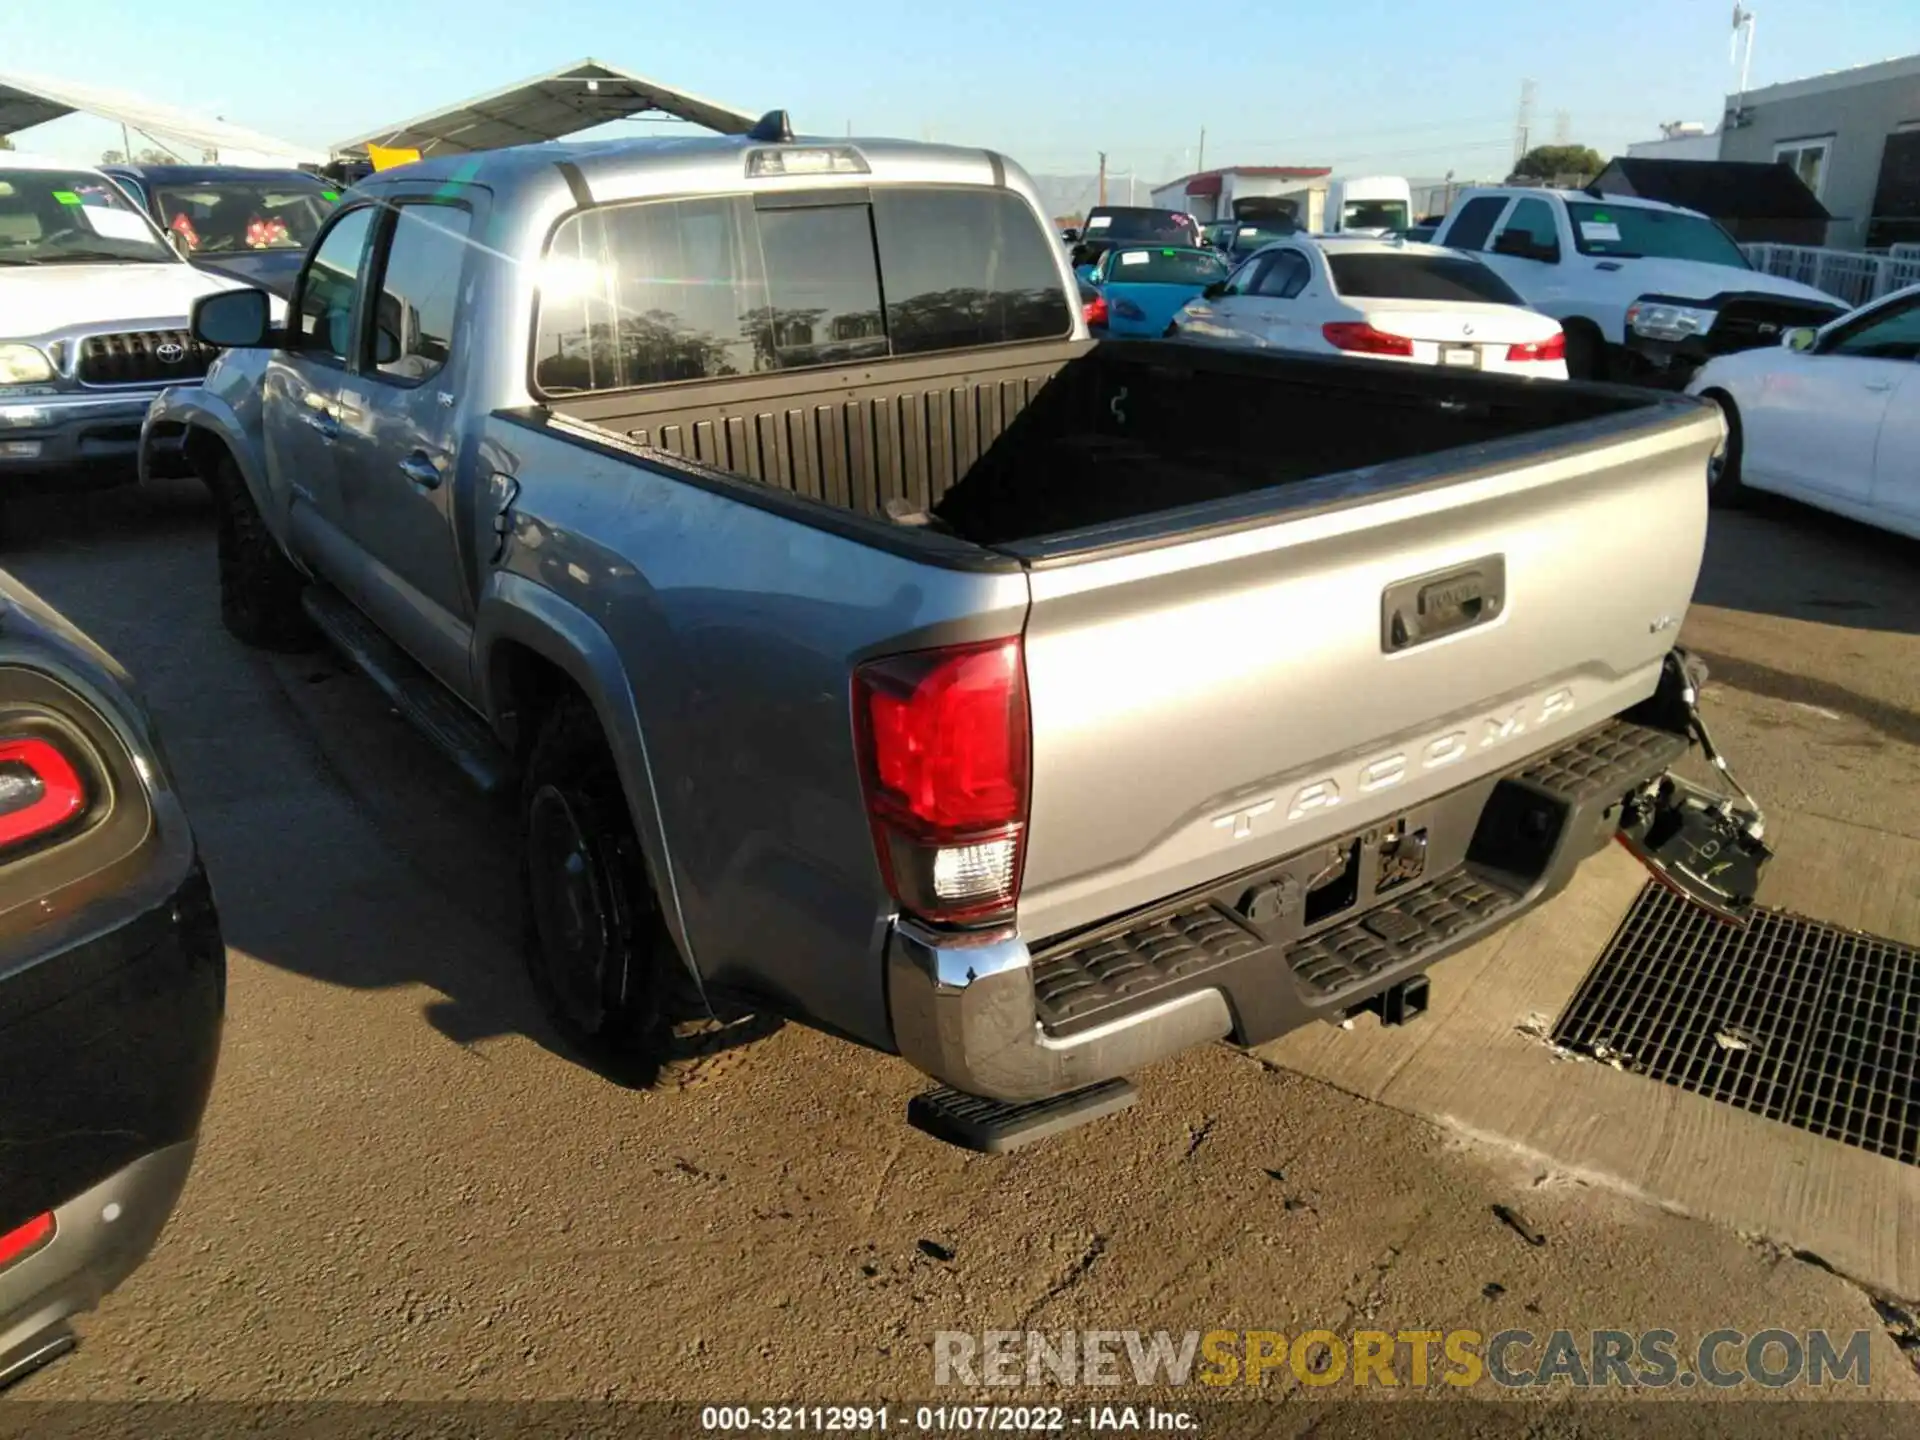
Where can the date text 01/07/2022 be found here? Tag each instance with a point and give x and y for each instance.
(940, 1419)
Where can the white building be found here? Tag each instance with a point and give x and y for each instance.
(1679, 140)
(1209, 195)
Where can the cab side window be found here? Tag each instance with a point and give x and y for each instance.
(420, 291)
(1475, 224)
(1530, 232)
(324, 309)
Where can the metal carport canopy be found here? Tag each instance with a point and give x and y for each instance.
(548, 107)
(29, 100)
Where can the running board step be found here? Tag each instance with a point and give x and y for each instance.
(36, 1352)
(421, 699)
(994, 1127)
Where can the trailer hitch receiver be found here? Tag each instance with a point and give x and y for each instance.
(1708, 846)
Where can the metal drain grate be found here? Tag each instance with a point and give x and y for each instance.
(1792, 1019)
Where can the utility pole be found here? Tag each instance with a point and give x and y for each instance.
(126, 144)
(1103, 178)
(1200, 155)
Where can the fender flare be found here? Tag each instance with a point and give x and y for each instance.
(195, 409)
(514, 608)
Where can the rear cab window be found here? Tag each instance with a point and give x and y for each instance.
(661, 291)
(1419, 277)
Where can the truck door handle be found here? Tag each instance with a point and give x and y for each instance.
(1878, 385)
(421, 471)
(323, 422)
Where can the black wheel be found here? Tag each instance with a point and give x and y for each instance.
(598, 950)
(1586, 353)
(1724, 487)
(259, 588)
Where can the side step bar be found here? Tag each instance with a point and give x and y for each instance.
(423, 700)
(994, 1127)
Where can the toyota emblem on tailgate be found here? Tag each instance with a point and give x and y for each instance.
(170, 352)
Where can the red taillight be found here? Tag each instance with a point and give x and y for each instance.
(1095, 310)
(40, 791)
(943, 750)
(22, 1241)
(1553, 349)
(1360, 338)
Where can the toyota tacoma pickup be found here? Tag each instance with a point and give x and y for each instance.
(93, 324)
(862, 640)
(1645, 292)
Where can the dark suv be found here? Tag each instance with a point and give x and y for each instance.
(254, 225)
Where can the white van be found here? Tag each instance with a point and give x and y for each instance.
(1369, 205)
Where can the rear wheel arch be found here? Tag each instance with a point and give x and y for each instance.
(536, 654)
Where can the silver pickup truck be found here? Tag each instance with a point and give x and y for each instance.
(862, 640)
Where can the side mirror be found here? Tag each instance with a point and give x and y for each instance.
(179, 244)
(1801, 337)
(1215, 290)
(1085, 274)
(1072, 237)
(233, 319)
(386, 346)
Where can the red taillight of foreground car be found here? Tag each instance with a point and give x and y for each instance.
(1095, 311)
(1359, 338)
(23, 1240)
(1543, 350)
(944, 757)
(40, 791)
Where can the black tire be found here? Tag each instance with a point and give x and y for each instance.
(598, 952)
(1586, 352)
(1725, 489)
(259, 588)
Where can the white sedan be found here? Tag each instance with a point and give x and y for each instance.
(1830, 417)
(1384, 299)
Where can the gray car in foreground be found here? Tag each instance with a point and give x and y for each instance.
(861, 639)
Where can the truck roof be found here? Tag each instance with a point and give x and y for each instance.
(1575, 197)
(171, 174)
(610, 168)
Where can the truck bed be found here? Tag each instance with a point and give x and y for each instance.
(1035, 442)
(1213, 555)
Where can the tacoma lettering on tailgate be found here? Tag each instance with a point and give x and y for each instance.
(1495, 729)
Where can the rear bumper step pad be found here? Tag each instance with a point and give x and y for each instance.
(1201, 942)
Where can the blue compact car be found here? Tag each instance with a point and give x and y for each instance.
(1138, 291)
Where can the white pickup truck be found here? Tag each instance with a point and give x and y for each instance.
(1645, 291)
(93, 323)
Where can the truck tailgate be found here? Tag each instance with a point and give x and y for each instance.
(1201, 706)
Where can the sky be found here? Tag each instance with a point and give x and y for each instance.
(1412, 87)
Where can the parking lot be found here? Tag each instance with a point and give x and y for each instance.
(407, 1189)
